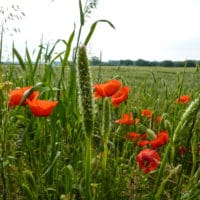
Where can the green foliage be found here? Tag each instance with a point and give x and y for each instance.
(29, 186)
(92, 29)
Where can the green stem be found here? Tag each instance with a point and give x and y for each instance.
(1, 46)
(105, 132)
(105, 155)
(189, 114)
(88, 142)
(162, 166)
(73, 74)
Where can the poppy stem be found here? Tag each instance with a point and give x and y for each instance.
(106, 126)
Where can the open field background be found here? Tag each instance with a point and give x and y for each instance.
(153, 84)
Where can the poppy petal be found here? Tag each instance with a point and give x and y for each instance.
(120, 96)
(148, 160)
(41, 108)
(17, 94)
(147, 113)
(106, 89)
(183, 99)
(161, 139)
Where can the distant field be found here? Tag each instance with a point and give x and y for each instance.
(140, 79)
(154, 82)
(165, 73)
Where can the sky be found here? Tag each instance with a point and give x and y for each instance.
(144, 29)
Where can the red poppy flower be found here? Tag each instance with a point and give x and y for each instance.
(148, 160)
(159, 119)
(139, 138)
(134, 136)
(147, 113)
(182, 150)
(127, 119)
(120, 96)
(106, 89)
(161, 139)
(16, 96)
(143, 143)
(41, 108)
(183, 99)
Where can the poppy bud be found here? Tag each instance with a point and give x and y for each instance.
(150, 134)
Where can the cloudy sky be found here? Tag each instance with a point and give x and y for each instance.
(146, 29)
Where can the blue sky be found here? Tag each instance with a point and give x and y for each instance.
(147, 29)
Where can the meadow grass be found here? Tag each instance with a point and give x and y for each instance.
(46, 157)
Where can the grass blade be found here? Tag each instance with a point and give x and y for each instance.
(93, 27)
(39, 55)
(20, 59)
(52, 164)
(29, 60)
(81, 13)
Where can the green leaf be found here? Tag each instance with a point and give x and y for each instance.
(68, 49)
(29, 194)
(20, 59)
(29, 59)
(28, 92)
(52, 164)
(49, 52)
(38, 59)
(81, 13)
(56, 57)
(93, 27)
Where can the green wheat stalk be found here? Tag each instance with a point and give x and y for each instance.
(189, 115)
(161, 188)
(105, 132)
(87, 110)
(85, 89)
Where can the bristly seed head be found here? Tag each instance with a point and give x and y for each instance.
(85, 89)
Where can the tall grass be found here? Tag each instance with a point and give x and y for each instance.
(46, 157)
(79, 151)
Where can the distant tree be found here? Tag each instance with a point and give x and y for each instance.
(113, 63)
(95, 61)
(154, 63)
(126, 62)
(179, 63)
(141, 62)
(190, 63)
(167, 63)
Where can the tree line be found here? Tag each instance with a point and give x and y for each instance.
(95, 61)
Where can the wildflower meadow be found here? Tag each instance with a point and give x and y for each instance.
(80, 132)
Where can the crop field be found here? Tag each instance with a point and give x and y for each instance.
(153, 83)
(99, 133)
